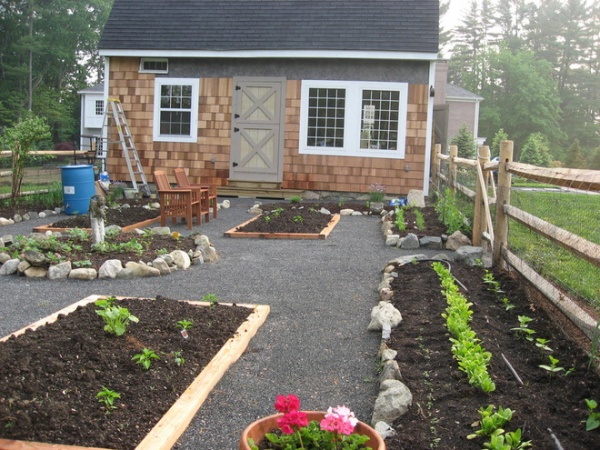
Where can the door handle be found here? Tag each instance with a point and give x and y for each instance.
(236, 129)
(235, 164)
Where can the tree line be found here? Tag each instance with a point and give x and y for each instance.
(48, 51)
(537, 66)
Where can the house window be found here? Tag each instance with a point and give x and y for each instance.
(353, 118)
(176, 110)
(154, 65)
(99, 107)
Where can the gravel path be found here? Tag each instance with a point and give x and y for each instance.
(314, 343)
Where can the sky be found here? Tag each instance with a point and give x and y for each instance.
(458, 9)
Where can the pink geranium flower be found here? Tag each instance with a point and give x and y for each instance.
(287, 403)
(291, 421)
(339, 420)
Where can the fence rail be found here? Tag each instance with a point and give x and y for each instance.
(496, 231)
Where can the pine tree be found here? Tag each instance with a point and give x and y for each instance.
(498, 137)
(536, 151)
(465, 142)
(575, 158)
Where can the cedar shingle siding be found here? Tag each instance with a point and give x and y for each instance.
(230, 26)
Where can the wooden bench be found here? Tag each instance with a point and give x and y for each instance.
(209, 192)
(177, 203)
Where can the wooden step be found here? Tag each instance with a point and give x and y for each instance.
(257, 192)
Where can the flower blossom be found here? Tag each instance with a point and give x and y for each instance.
(287, 403)
(291, 420)
(339, 420)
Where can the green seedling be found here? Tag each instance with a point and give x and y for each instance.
(145, 358)
(185, 324)
(295, 199)
(419, 219)
(593, 420)
(82, 263)
(277, 212)
(267, 219)
(116, 319)
(491, 422)
(108, 397)
(507, 304)
(212, 299)
(523, 328)
(341, 202)
(178, 358)
(542, 344)
(554, 367)
(493, 284)
(508, 441)
(399, 221)
(298, 219)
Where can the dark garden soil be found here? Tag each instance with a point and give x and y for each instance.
(50, 376)
(432, 225)
(303, 217)
(445, 406)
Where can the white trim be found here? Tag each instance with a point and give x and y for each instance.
(193, 136)
(353, 115)
(318, 54)
(429, 137)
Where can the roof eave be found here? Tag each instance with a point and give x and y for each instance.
(304, 54)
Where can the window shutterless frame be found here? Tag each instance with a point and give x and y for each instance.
(353, 118)
(176, 109)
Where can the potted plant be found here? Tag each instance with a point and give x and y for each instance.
(376, 196)
(335, 429)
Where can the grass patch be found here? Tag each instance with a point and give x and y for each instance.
(577, 213)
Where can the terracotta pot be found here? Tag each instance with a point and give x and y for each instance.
(256, 430)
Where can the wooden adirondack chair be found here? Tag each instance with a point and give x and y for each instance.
(176, 202)
(211, 192)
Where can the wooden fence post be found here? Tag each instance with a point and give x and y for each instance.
(452, 168)
(479, 223)
(502, 198)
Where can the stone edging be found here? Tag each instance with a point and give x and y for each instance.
(31, 264)
(394, 397)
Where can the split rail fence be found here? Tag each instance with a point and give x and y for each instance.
(494, 216)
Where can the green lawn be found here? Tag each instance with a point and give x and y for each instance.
(578, 213)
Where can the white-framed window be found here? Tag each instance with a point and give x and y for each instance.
(353, 118)
(176, 109)
(99, 107)
(154, 65)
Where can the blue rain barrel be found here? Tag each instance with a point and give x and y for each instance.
(78, 188)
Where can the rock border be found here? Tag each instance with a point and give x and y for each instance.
(31, 264)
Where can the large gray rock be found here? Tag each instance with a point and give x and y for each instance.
(393, 401)
(4, 221)
(209, 253)
(35, 258)
(36, 272)
(10, 266)
(391, 240)
(457, 240)
(384, 315)
(472, 256)
(110, 268)
(162, 266)
(409, 242)
(181, 259)
(3, 255)
(431, 242)
(135, 270)
(83, 273)
(59, 271)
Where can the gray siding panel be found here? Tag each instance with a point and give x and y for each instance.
(415, 72)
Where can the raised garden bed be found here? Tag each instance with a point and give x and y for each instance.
(52, 370)
(239, 231)
(445, 406)
(125, 229)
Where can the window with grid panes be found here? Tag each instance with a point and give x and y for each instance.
(353, 118)
(176, 110)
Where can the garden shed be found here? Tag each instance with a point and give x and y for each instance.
(328, 96)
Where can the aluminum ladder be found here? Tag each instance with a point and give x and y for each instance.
(114, 111)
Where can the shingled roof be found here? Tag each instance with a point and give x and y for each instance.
(272, 25)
